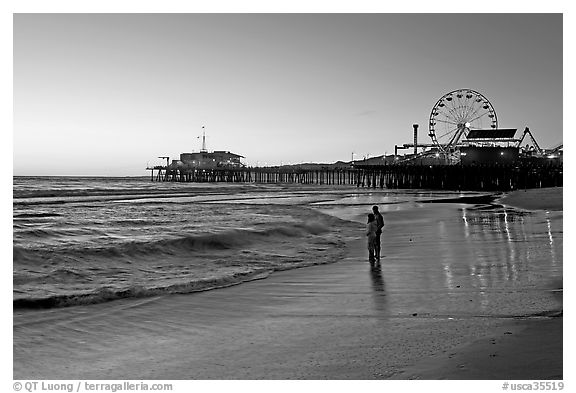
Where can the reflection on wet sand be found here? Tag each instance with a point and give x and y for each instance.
(507, 250)
(478, 259)
(379, 294)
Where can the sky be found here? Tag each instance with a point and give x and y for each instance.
(106, 94)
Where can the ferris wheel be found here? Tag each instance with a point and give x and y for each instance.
(458, 112)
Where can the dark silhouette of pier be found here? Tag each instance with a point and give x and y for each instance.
(483, 177)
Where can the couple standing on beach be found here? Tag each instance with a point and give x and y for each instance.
(373, 231)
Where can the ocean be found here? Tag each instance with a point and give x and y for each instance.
(80, 240)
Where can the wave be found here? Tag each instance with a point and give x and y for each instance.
(133, 222)
(36, 215)
(222, 241)
(57, 276)
(199, 242)
(107, 294)
(48, 279)
(39, 233)
(63, 193)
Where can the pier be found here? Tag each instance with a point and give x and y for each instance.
(485, 177)
(258, 175)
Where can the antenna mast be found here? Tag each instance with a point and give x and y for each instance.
(203, 141)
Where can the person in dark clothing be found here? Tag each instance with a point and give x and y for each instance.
(380, 224)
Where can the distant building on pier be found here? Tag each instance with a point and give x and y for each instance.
(494, 146)
(206, 160)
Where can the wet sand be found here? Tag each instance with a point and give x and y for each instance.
(522, 350)
(526, 349)
(420, 315)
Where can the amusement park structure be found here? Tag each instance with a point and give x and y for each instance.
(463, 124)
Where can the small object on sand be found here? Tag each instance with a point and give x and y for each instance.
(507, 332)
(414, 314)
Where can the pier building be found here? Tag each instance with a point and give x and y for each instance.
(206, 160)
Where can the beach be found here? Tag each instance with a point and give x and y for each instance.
(458, 295)
(536, 199)
(525, 349)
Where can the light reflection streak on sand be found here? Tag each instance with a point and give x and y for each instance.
(466, 225)
(445, 257)
(506, 227)
(551, 239)
(511, 261)
(510, 244)
(448, 275)
(548, 223)
(524, 237)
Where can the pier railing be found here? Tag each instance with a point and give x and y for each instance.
(441, 177)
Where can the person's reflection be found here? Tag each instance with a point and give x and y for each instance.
(379, 293)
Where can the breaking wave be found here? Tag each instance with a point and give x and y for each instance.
(143, 269)
(106, 294)
(198, 242)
